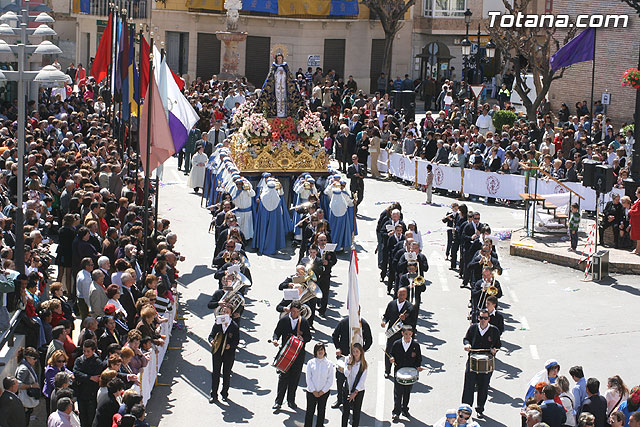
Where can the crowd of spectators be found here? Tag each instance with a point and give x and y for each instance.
(84, 213)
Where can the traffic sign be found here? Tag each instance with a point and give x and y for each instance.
(476, 90)
(606, 98)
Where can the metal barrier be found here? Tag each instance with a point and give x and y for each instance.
(7, 336)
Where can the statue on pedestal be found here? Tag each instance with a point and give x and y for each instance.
(233, 7)
(280, 95)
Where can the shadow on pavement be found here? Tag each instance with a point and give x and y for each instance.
(510, 371)
(198, 272)
(500, 398)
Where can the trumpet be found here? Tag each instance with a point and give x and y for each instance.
(246, 186)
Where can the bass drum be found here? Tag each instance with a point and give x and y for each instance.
(288, 354)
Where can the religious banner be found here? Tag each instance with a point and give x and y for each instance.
(403, 167)
(491, 184)
(304, 7)
(444, 177)
(267, 6)
(344, 7)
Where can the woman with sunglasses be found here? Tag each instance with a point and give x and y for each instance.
(56, 363)
(28, 380)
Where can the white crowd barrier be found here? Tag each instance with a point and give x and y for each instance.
(482, 183)
(149, 373)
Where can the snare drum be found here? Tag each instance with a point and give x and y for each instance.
(288, 354)
(407, 376)
(394, 329)
(481, 363)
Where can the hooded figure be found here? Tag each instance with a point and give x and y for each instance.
(271, 226)
(341, 218)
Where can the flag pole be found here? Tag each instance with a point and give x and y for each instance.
(593, 76)
(148, 154)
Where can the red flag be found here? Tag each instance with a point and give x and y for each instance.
(161, 140)
(100, 67)
(144, 70)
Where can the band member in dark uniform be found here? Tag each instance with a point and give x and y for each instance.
(234, 258)
(218, 295)
(387, 230)
(297, 281)
(292, 324)
(341, 339)
(225, 336)
(405, 353)
(480, 336)
(398, 310)
(328, 260)
(483, 258)
(408, 281)
(420, 258)
(479, 292)
(495, 317)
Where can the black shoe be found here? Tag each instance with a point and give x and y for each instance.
(395, 418)
(292, 405)
(406, 413)
(276, 407)
(480, 412)
(213, 399)
(225, 397)
(387, 375)
(336, 404)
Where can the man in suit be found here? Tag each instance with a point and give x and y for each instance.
(356, 173)
(86, 370)
(405, 353)
(328, 260)
(216, 136)
(190, 148)
(398, 310)
(204, 142)
(403, 261)
(471, 232)
(612, 216)
(291, 325)
(594, 403)
(11, 408)
(341, 340)
(59, 334)
(495, 317)
(552, 413)
(394, 243)
(387, 229)
(480, 336)
(229, 333)
(128, 298)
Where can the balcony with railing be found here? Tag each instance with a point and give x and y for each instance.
(136, 9)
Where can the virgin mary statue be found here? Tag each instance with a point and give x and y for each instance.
(280, 96)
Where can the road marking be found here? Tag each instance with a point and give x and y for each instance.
(439, 262)
(380, 391)
(534, 352)
(523, 322)
(382, 339)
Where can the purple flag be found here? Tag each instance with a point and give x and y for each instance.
(579, 49)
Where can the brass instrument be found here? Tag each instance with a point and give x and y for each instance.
(305, 310)
(307, 185)
(419, 281)
(491, 290)
(233, 298)
(246, 186)
(310, 281)
(217, 340)
(227, 256)
(302, 207)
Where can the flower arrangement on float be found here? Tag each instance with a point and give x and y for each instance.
(242, 113)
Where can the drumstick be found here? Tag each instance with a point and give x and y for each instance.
(389, 356)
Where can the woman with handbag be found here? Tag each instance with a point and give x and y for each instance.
(616, 393)
(356, 372)
(319, 382)
(28, 383)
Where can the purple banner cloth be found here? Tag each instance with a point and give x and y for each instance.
(579, 49)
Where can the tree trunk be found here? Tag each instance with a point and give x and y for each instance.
(388, 53)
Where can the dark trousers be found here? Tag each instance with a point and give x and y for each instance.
(455, 245)
(87, 410)
(288, 381)
(354, 407)
(222, 363)
(401, 394)
(574, 239)
(27, 414)
(449, 242)
(180, 158)
(357, 190)
(312, 403)
(324, 284)
(341, 381)
(187, 160)
(471, 379)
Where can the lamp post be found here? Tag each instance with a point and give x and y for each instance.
(466, 45)
(49, 75)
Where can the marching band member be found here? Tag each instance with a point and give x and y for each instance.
(285, 304)
(356, 373)
(407, 281)
(341, 338)
(291, 325)
(387, 229)
(381, 232)
(340, 218)
(395, 255)
(224, 256)
(495, 317)
(398, 310)
(405, 352)
(303, 188)
(471, 232)
(319, 380)
(271, 225)
(479, 291)
(328, 260)
(484, 258)
(421, 259)
(242, 197)
(308, 232)
(225, 336)
(480, 336)
(234, 258)
(394, 244)
(218, 295)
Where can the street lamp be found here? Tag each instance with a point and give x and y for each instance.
(49, 75)
(466, 46)
(490, 48)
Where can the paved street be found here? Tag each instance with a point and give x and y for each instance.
(550, 313)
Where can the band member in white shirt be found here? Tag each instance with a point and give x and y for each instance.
(319, 381)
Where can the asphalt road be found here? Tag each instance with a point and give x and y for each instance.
(549, 311)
